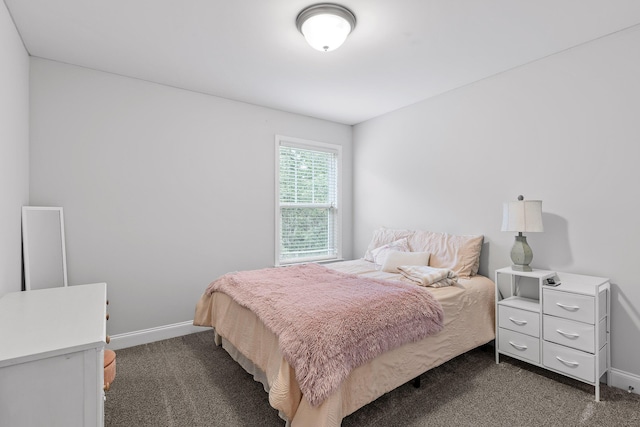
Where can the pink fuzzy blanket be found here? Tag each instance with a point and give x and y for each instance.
(329, 323)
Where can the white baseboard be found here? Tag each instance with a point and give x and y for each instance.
(624, 380)
(145, 336)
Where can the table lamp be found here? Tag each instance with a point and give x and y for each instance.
(523, 216)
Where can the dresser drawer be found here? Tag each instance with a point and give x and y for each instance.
(519, 345)
(569, 361)
(569, 306)
(526, 322)
(569, 333)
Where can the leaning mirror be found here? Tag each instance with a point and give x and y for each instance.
(43, 250)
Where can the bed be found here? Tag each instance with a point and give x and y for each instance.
(467, 303)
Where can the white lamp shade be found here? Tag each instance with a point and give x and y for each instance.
(325, 32)
(522, 216)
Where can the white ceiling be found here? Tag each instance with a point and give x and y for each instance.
(401, 51)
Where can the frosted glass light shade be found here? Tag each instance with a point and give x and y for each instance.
(325, 26)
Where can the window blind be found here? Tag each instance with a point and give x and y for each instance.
(308, 193)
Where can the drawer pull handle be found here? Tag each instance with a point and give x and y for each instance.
(518, 346)
(567, 334)
(568, 307)
(567, 362)
(518, 322)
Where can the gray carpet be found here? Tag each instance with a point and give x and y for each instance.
(188, 381)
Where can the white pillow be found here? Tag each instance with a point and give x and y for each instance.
(395, 259)
(383, 236)
(379, 255)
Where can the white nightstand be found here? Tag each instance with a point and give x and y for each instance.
(564, 329)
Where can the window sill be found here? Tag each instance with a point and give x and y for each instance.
(320, 261)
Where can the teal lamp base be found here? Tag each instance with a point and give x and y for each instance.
(521, 254)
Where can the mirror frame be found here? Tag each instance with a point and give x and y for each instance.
(27, 242)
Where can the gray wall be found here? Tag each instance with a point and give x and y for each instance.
(14, 150)
(163, 189)
(564, 129)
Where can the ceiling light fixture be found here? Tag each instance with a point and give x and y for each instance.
(325, 26)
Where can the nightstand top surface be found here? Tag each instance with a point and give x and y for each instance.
(538, 274)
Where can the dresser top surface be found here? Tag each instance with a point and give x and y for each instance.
(578, 283)
(42, 323)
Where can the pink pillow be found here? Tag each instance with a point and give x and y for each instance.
(458, 253)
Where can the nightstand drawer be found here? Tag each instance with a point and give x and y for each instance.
(526, 322)
(569, 333)
(568, 305)
(569, 361)
(519, 345)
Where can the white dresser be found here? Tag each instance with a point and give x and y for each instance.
(51, 357)
(562, 328)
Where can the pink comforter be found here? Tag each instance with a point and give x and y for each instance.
(328, 322)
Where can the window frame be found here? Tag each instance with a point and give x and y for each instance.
(306, 144)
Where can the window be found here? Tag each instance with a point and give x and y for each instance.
(308, 216)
